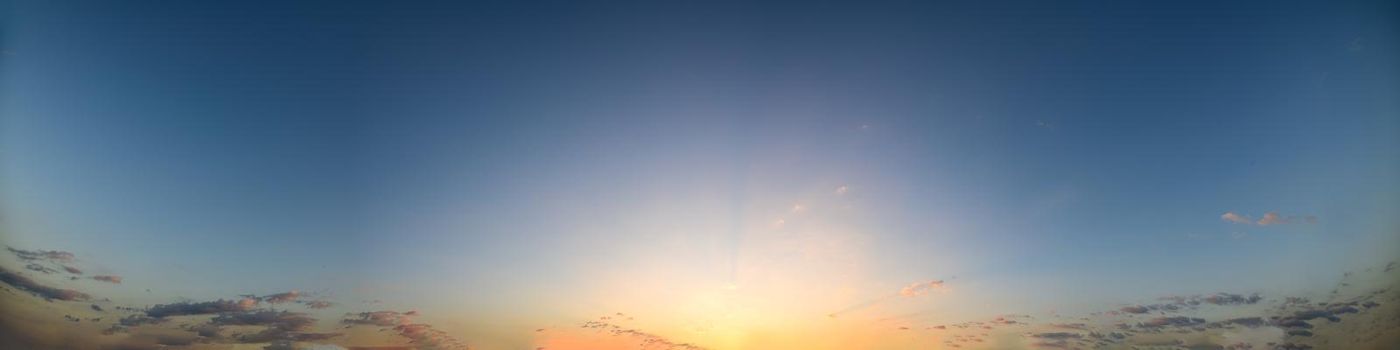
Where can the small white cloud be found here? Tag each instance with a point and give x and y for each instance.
(842, 190)
(1236, 218)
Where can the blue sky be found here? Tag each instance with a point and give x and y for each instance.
(504, 160)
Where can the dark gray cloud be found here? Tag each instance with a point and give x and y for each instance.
(1231, 299)
(108, 279)
(281, 326)
(45, 255)
(1135, 309)
(206, 330)
(39, 268)
(1180, 303)
(204, 308)
(49, 293)
(137, 320)
(1058, 335)
(1058, 340)
(291, 321)
(318, 304)
(1245, 321)
(1331, 312)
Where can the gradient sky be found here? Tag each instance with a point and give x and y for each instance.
(724, 170)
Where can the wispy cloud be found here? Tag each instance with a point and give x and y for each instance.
(378, 318)
(47, 255)
(1236, 218)
(911, 290)
(108, 279)
(1269, 218)
(318, 304)
(920, 288)
(281, 297)
(29, 285)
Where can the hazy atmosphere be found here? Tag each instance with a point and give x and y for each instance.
(699, 175)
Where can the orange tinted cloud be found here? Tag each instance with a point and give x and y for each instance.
(1236, 218)
(920, 288)
(108, 279)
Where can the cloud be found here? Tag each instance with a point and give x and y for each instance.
(1135, 309)
(842, 190)
(1231, 299)
(276, 334)
(1273, 218)
(424, 335)
(911, 290)
(46, 255)
(318, 304)
(282, 326)
(46, 292)
(40, 268)
(108, 279)
(137, 320)
(286, 320)
(920, 288)
(1178, 321)
(72, 270)
(647, 340)
(204, 308)
(421, 334)
(1236, 218)
(1058, 335)
(378, 318)
(1269, 218)
(281, 297)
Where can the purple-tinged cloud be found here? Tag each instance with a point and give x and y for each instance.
(46, 255)
(48, 293)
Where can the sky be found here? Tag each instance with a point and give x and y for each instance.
(733, 175)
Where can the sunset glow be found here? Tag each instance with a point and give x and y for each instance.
(763, 175)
